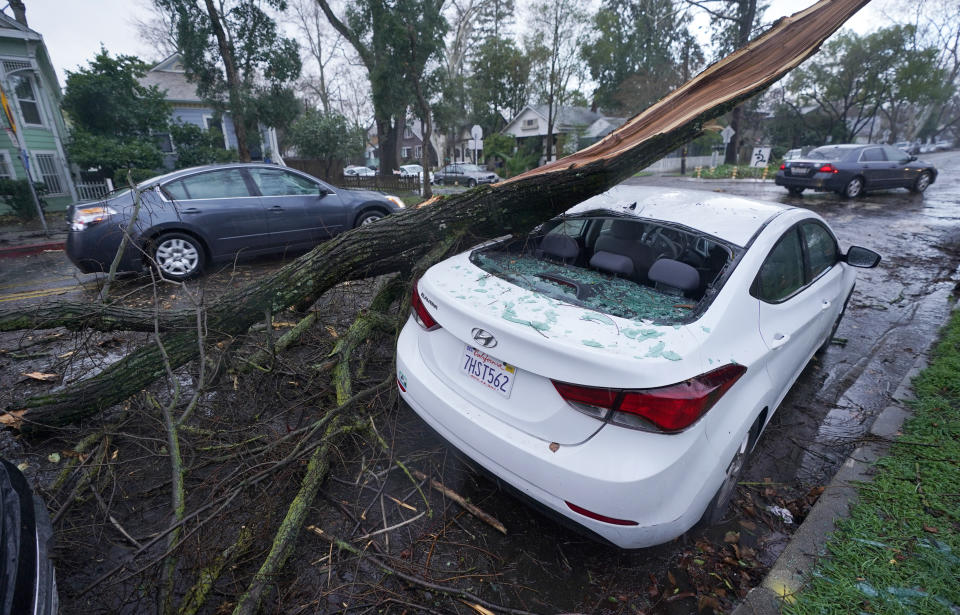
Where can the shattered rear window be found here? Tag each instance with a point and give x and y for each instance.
(603, 262)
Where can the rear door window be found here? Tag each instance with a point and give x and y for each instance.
(228, 183)
(872, 154)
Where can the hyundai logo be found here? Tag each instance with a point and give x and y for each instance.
(484, 338)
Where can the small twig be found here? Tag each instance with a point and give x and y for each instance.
(471, 508)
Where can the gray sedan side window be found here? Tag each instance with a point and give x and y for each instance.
(894, 154)
(277, 182)
(872, 154)
(228, 183)
(781, 274)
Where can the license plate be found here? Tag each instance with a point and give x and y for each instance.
(487, 371)
(798, 171)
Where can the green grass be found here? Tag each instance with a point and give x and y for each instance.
(725, 171)
(899, 552)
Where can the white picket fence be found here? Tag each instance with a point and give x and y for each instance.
(92, 191)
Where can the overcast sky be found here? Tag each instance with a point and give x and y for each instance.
(73, 30)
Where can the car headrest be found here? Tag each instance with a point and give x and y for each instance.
(560, 246)
(612, 263)
(625, 229)
(674, 274)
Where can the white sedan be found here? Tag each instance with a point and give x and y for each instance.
(618, 365)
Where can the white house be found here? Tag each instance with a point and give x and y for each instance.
(582, 126)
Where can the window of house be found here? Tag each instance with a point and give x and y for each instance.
(404, 152)
(27, 99)
(418, 152)
(531, 123)
(164, 142)
(407, 133)
(49, 168)
(6, 166)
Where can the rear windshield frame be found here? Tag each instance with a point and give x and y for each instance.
(528, 243)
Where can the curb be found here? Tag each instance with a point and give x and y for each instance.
(34, 248)
(794, 566)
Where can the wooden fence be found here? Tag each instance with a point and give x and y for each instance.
(318, 168)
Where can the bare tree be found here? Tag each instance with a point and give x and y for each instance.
(156, 31)
(323, 43)
(559, 27)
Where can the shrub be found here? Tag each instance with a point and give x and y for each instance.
(16, 194)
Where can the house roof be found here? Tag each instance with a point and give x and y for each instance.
(11, 28)
(569, 117)
(170, 76)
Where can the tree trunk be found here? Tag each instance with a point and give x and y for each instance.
(389, 132)
(746, 13)
(426, 123)
(512, 206)
(233, 83)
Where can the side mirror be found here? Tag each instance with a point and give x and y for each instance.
(323, 192)
(861, 257)
(911, 158)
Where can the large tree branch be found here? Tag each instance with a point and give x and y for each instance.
(512, 206)
(362, 50)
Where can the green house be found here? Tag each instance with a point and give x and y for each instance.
(33, 95)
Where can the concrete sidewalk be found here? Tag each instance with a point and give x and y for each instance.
(28, 237)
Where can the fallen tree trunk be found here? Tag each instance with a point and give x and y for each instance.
(513, 206)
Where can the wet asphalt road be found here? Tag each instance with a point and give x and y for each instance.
(891, 320)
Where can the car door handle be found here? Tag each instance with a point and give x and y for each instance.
(190, 210)
(779, 340)
(825, 305)
(276, 209)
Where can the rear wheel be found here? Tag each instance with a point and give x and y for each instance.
(922, 182)
(721, 500)
(177, 256)
(438, 181)
(795, 190)
(471, 183)
(853, 189)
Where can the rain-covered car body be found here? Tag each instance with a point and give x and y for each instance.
(465, 175)
(851, 170)
(617, 365)
(413, 170)
(225, 210)
(27, 580)
(354, 171)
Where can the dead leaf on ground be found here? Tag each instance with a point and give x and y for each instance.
(12, 418)
(931, 529)
(731, 537)
(41, 376)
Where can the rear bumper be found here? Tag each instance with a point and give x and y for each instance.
(611, 474)
(817, 181)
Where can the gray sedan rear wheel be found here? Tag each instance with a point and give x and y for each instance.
(178, 256)
(854, 188)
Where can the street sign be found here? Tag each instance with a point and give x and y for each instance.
(727, 134)
(760, 157)
(477, 133)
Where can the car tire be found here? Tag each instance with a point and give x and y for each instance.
(795, 191)
(369, 217)
(853, 189)
(177, 256)
(921, 183)
(471, 183)
(438, 181)
(717, 508)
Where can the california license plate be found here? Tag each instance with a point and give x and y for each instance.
(489, 372)
(798, 170)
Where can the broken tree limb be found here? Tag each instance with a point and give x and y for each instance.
(467, 506)
(209, 574)
(512, 206)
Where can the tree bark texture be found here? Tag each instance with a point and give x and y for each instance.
(394, 244)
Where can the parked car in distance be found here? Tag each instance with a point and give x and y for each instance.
(193, 217)
(618, 364)
(352, 171)
(850, 170)
(465, 175)
(793, 154)
(909, 147)
(28, 584)
(413, 170)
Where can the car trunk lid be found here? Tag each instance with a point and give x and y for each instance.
(543, 339)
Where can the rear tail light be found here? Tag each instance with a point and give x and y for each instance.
(598, 516)
(827, 168)
(666, 409)
(419, 311)
(783, 165)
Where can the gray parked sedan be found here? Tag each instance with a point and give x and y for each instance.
(851, 170)
(196, 216)
(465, 175)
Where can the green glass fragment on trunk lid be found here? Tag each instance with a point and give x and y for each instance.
(592, 343)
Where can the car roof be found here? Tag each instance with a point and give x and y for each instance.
(730, 218)
(207, 167)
